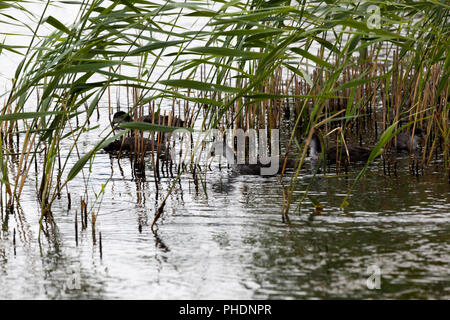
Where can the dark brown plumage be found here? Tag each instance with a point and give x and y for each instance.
(407, 143)
(121, 116)
(254, 168)
(131, 145)
(134, 144)
(332, 154)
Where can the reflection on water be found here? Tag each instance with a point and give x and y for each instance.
(230, 242)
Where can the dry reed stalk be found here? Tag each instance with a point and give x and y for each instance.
(83, 214)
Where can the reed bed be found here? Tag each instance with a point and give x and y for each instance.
(244, 65)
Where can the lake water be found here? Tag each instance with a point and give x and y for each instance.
(228, 241)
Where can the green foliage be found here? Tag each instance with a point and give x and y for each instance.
(240, 44)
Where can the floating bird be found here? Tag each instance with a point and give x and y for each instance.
(274, 166)
(347, 153)
(406, 142)
(133, 144)
(121, 116)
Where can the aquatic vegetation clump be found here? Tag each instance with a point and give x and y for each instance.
(323, 66)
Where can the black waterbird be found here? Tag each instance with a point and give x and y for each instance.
(272, 166)
(408, 142)
(347, 153)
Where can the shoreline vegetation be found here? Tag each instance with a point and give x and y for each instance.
(350, 71)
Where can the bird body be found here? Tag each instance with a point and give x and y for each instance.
(406, 142)
(256, 168)
(165, 120)
(133, 144)
(355, 153)
(273, 166)
(346, 153)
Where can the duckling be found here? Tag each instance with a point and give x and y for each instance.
(128, 143)
(121, 116)
(258, 168)
(407, 143)
(355, 153)
(132, 144)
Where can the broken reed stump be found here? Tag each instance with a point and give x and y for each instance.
(76, 229)
(83, 214)
(14, 240)
(100, 244)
